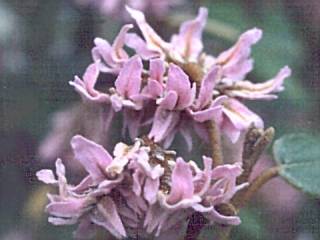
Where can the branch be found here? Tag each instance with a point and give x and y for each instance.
(215, 141)
(244, 196)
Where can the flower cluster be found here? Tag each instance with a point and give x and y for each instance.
(182, 88)
(142, 191)
(164, 88)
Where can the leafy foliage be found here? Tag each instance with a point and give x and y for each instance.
(298, 156)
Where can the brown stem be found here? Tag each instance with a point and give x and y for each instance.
(244, 196)
(215, 141)
(256, 141)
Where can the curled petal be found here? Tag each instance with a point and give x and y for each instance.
(153, 89)
(181, 183)
(93, 157)
(249, 90)
(215, 216)
(239, 118)
(135, 42)
(235, 61)
(62, 181)
(46, 176)
(128, 82)
(179, 82)
(85, 87)
(110, 58)
(157, 69)
(206, 89)
(207, 114)
(169, 101)
(72, 208)
(154, 41)
(164, 122)
(151, 189)
(189, 40)
(109, 218)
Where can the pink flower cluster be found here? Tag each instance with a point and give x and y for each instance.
(179, 87)
(165, 88)
(141, 191)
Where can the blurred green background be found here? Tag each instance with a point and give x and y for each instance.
(44, 43)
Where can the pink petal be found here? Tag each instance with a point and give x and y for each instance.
(150, 190)
(249, 90)
(181, 182)
(240, 116)
(153, 89)
(68, 209)
(189, 40)
(92, 156)
(154, 41)
(46, 176)
(235, 61)
(215, 216)
(206, 89)
(157, 69)
(179, 82)
(207, 114)
(128, 82)
(169, 101)
(164, 122)
(135, 42)
(109, 218)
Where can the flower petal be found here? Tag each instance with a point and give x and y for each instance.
(249, 90)
(154, 41)
(235, 61)
(189, 40)
(181, 182)
(93, 157)
(128, 82)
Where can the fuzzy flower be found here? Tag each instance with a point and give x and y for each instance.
(186, 50)
(141, 191)
(183, 87)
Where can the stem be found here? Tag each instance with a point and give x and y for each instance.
(256, 141)
(244, 196)
(195, 225)
(223, 232)
(215, 141)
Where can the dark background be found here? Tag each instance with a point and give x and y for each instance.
(44, 43)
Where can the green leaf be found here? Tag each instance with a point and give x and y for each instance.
(298, 156)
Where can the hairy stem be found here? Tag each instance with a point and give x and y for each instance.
(244, 196)
(215, 142)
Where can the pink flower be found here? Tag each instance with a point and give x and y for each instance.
(109, 58)
(178, 96)
(185, 46)
(188, 42)
(236, 61)
(141, 189)
(128, 86)
(224, 77)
